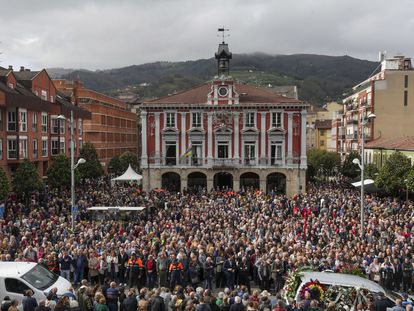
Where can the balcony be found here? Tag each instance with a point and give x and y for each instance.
(225, 163)
(170, 161)
(250, 161)
(196, 161)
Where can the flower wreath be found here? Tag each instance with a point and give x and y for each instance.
(316, 290)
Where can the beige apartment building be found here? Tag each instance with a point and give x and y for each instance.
(319, 126)
(389, 95)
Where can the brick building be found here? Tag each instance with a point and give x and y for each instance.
(29, 124)
(224, 134)
(113, 126)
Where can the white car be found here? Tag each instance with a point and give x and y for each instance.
(16, 277)
(342, 280)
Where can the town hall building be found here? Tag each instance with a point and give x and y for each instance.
(224, 134)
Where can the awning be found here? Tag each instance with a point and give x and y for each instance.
(366, 183)
(129, 175)
(117, 208)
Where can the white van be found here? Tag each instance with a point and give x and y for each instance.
(16, 277)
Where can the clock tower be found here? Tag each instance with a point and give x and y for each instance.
(223, 91)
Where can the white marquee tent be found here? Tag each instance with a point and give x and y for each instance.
(129, 175)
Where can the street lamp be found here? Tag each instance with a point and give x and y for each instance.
(361, 165)
(72, 169)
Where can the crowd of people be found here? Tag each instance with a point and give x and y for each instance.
(205, 250)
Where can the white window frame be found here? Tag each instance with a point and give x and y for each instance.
(44, 150)
(168, 119)
(278, 144)
(23, 147)
(223, 143)
(247, 122)
(62, 145)
(62, 125)
(274, 116)
(35, 144)
(43, 95)
(54, 146)
(54, 124)
(9, 140)
(12, 112)
(196, 116)
(45, 125)
(34, 121)
(22, 120)
(248, 159)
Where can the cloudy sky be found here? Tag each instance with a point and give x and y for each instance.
(101, 34)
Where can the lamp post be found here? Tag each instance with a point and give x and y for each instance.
(72, 169)
(361, 165)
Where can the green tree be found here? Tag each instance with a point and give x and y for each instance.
(371, 171)
(330, 163)
(322, 163)
(59, 174)
(4, 185)
(410, 179)
(129, 158)
(392, 175)
(26, 180)
(350, 169)
(115, 166)
(92, 168)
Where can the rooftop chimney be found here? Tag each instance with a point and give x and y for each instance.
(21, 68)
(10, 67)
(27, 69)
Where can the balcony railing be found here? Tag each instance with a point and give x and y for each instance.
(196, 161)
(225, 162)
(250, 161)
(170, 161)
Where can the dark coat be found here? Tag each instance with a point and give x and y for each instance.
(130, 304)
(157, 304)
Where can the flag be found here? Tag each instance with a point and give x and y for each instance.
(188, 153)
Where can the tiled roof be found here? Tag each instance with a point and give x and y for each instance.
(247, 94)
(25, 75)
(323, 124)
(396, 143)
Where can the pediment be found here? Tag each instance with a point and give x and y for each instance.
(170, 131)
(276, 131)
(196, 131)
(223, 131)
(250, 131)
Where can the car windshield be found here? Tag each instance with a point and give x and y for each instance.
(40, 278)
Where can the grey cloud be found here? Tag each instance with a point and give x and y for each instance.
(99, 34)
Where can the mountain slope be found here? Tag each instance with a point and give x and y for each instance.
(319, 78)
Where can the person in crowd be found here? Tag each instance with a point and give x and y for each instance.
(130, 303)
(42, 306)
(6, 303)
(29, 302)
(112, 297)
(14, 305)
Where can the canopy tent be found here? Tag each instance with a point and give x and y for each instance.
(369, 186)
(129, 175)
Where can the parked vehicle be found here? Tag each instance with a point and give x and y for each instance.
(17, 277)
(329, 279)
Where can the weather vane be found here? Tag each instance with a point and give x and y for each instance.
(223, 32)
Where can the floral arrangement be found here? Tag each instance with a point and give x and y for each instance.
(348, 297)
(316, 290)
(292, 283)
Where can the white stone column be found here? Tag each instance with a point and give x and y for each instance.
(157, 138)
(209, 138)
(183, 132)
(263, 138)
(236, 136)
(290, 138)
(144, 153)
(303, 159)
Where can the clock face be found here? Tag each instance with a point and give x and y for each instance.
(223, 91)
